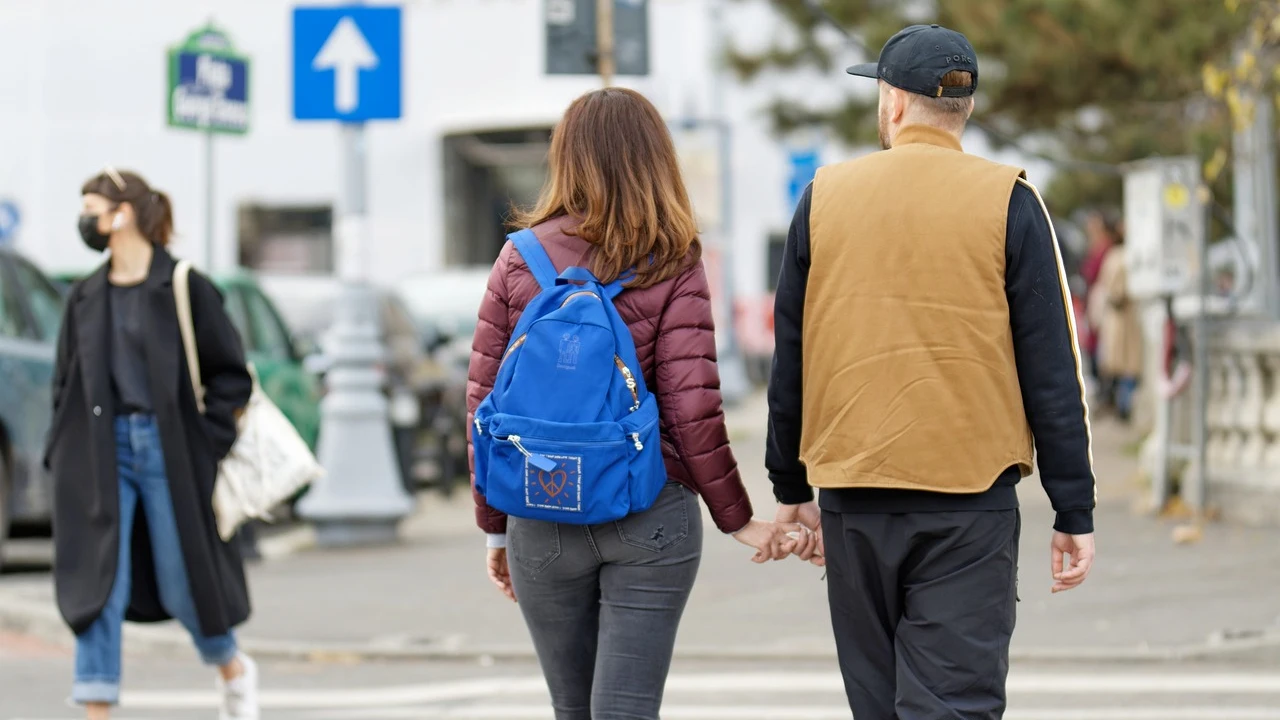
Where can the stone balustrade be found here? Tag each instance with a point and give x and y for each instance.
(1243, 420)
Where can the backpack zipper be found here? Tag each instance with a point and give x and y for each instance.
(622, 366)
(514, 346)
(631, 383)
(580, 293)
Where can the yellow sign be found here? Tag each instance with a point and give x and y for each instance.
(1176, 196)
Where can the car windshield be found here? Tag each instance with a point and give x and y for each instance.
(446, 302)
(307, 304)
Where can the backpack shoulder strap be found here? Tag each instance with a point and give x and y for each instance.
(615, 288)
(527, 244)
(182, 300)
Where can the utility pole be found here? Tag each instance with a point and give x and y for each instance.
(606, 59)
(210, 214)
(734, 383)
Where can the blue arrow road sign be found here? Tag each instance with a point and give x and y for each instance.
(10, 218)
(346, 63)
(804, 166)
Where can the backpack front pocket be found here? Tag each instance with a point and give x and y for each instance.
(577, 474)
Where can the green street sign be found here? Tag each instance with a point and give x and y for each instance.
(208, 84)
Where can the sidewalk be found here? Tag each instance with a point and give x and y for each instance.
(1146, 598)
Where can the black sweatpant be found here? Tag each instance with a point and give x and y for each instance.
(923, 608)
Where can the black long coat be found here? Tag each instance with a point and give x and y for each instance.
(81, 452)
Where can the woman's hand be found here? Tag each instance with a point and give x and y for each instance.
(769, 539)
(500, 573)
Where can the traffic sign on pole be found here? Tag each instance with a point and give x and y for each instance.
(804, 167)
(573, 42)
(10, 219)
(346, 63)
(346, 67)
(208, 84)
(1164, 227)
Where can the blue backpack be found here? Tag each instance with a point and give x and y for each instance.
(570, 432)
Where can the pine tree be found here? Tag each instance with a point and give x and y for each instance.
(1096, 81)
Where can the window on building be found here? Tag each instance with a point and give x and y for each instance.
(485, 174)
(287, 239)
(773, 266)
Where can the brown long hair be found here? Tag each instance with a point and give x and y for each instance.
(613, 167)
(151, 208)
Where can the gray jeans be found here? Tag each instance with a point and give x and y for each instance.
(603, 604)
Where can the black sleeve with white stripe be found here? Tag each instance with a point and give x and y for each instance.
(1048, 359)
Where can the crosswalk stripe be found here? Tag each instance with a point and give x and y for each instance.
(758, 712)
(772, 683)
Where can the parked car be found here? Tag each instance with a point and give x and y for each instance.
(30, 314)
(445, 305)
(425, 440)
(277, 356)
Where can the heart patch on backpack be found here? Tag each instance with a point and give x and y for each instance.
(557, 489)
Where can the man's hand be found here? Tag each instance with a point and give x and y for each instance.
(769, 540)
(500, 573)
(809, 546)
(1068, 574)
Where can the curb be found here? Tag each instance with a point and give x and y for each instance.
(40, 620)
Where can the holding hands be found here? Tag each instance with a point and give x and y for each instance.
(797, 530)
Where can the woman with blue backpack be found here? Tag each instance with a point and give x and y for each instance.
(596, 417)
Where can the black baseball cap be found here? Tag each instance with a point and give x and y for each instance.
(917, 58)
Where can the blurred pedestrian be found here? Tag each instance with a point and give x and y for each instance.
(133, 460)
(924, 339)
(1100, 228)
(603, 602)
(1120, 351)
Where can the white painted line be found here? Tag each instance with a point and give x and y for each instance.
(757, 712)
(287, 542)
(782, 683)
(321, 698)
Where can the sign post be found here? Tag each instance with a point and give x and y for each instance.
(597, 37)
(1166, 256)
(208, 91)
(347, 69)
(10, 220)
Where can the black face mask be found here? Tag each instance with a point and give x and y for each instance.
(94, 238)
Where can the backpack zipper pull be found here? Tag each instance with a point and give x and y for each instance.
(636, 438)
(479, 430)
(542, 462)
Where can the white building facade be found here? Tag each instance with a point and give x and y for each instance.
(84, 84)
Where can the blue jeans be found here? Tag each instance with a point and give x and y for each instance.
(1126, 386)
(140, 465)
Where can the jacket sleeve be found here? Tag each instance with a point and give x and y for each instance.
(223, 370)
(782, 451)
(493, 332)
(63, 360)
(1049, 369)
(65, 352)
(688, 390)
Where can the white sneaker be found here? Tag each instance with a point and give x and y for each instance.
(240, 696)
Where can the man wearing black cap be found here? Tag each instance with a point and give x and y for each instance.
(924, 342)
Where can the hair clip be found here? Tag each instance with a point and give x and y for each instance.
(116, 178)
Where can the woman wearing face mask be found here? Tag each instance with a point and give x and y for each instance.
(134, 461)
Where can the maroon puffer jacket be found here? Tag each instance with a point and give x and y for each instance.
(675, 339)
